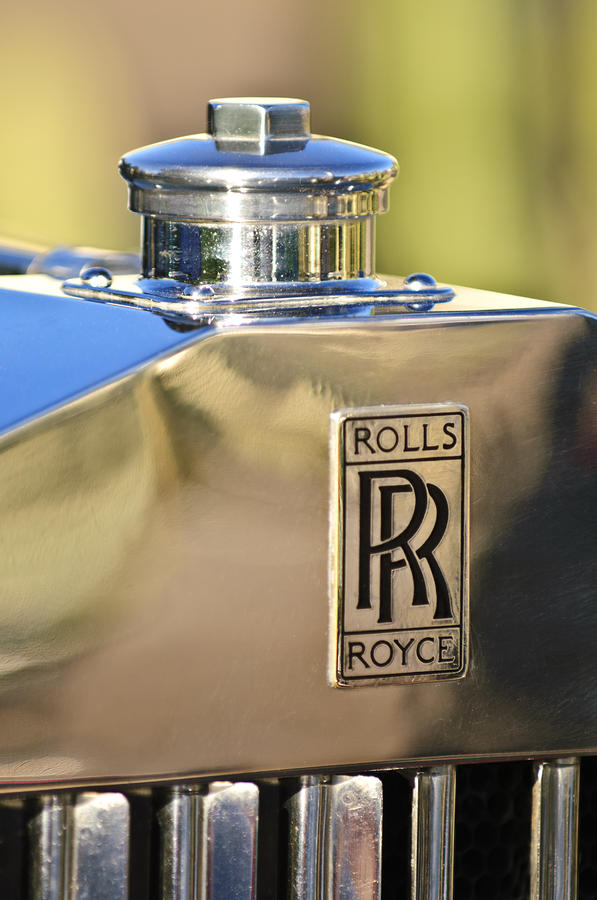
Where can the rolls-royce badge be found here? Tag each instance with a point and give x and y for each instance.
(400, 543)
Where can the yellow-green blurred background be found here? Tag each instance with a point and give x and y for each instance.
(489, 105)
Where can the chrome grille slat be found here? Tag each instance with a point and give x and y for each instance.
(83, 844)
(335, 839)
(554, 835)
(100, 829)
(80, 847)
(47, 830)
(352, 848)
(230, 817)
(432, 861)
(209, 842)
(178, 821)
(306, 809)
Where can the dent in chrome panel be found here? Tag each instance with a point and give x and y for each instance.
(164, 554)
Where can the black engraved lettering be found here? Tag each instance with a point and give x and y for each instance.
(443, 607)
(420, 657)
(382, 663)
(355, 651)
(407, 447)
(426, 444)
(446, 645)
(362, 435)
(391, 443)
(449, 433)
(404, 648)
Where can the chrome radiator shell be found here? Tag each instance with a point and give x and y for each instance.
(165, 535)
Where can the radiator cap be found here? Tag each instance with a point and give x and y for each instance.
(258, 162)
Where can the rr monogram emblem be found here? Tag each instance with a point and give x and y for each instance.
(400, 561)
(391, 542)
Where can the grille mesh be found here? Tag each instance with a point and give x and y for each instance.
(587, 830)
(493, 820)
(395, 866)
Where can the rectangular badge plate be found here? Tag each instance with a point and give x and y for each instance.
(399, 544)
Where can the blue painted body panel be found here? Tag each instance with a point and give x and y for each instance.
(54, 348)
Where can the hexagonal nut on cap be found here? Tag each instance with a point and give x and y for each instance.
(259, 124)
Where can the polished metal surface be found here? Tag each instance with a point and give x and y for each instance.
(208, 846)
(49, 861)
(399, 544)
(263, 253)
(179, 822)
(259, 200)
(352, 853)
(432, 850)
(554, 838)
(228, 842)
(211, 303)
(306, 823)
(80, 847)
(99, 848)
(225, 204)
(165, 533)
